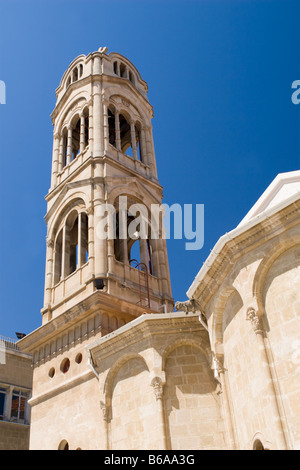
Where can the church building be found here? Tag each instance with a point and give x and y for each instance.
(114, 366)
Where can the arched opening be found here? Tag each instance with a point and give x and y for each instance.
(139, 150)
(140, 254)
(122, 70)
(76, 139)
(71, 245)
(133, 243)
(111, 127)
(258, 445)
(80, 70)
(63, 445)
(75, 74)
(64, 146)
(86, 127)
(125, 136)
(58, 258)
(131, 77)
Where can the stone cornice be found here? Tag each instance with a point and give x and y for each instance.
(91, 161)
(145, 326)
(97, 301)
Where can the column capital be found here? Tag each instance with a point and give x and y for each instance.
(50, 242)
(106, 411)
(157, 385)
(255, 320)
(191, 305)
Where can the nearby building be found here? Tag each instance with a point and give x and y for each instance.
(113, 366)
(15, 390)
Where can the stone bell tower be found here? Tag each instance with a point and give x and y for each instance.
(103, 164)
(98, 276)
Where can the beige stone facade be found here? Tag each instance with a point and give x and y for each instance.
(114, 367)
(249, 292)
(15, 391)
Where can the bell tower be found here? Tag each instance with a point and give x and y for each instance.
(105, 265)
(102, 249)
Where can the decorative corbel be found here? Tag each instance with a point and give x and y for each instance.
(255, 320)
(157, 385)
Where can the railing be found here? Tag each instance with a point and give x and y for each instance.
(9, 343)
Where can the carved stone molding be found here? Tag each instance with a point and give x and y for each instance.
(50, 242)
(191, 305)
(106, 411)
(256, 321)
(157, 385)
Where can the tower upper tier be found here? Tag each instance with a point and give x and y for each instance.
(102, 109)
(112, 64)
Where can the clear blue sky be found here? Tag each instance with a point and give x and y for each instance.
(219, 76)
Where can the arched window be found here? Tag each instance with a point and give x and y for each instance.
(71, 245)
(75, 74)
(65, 146)
(128, 249)
(131, 77)
(122, 70)
(111, 127)
(86, 127)
(125, 136)
(63, 445)
(258, 445)
(76, 139)
(80, 70)
(139, 149)
(58, 258)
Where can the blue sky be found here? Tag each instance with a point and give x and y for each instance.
(219, 76)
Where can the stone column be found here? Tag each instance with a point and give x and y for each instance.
(123, 231)
(155, 258)
(144, 253)
(157, 385)
(69, 146)
(65, 253)
(150, 153)
(106, 411)
(61, 156)
(55, 159)
(133, 140)
(79, 240)
(90, 213)
(91, 132)
(144, 156)
(82, 133)
(97, 120)
(117, 129)
(268, 381)
(228, 415)
(49, 272)
(105, 127)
